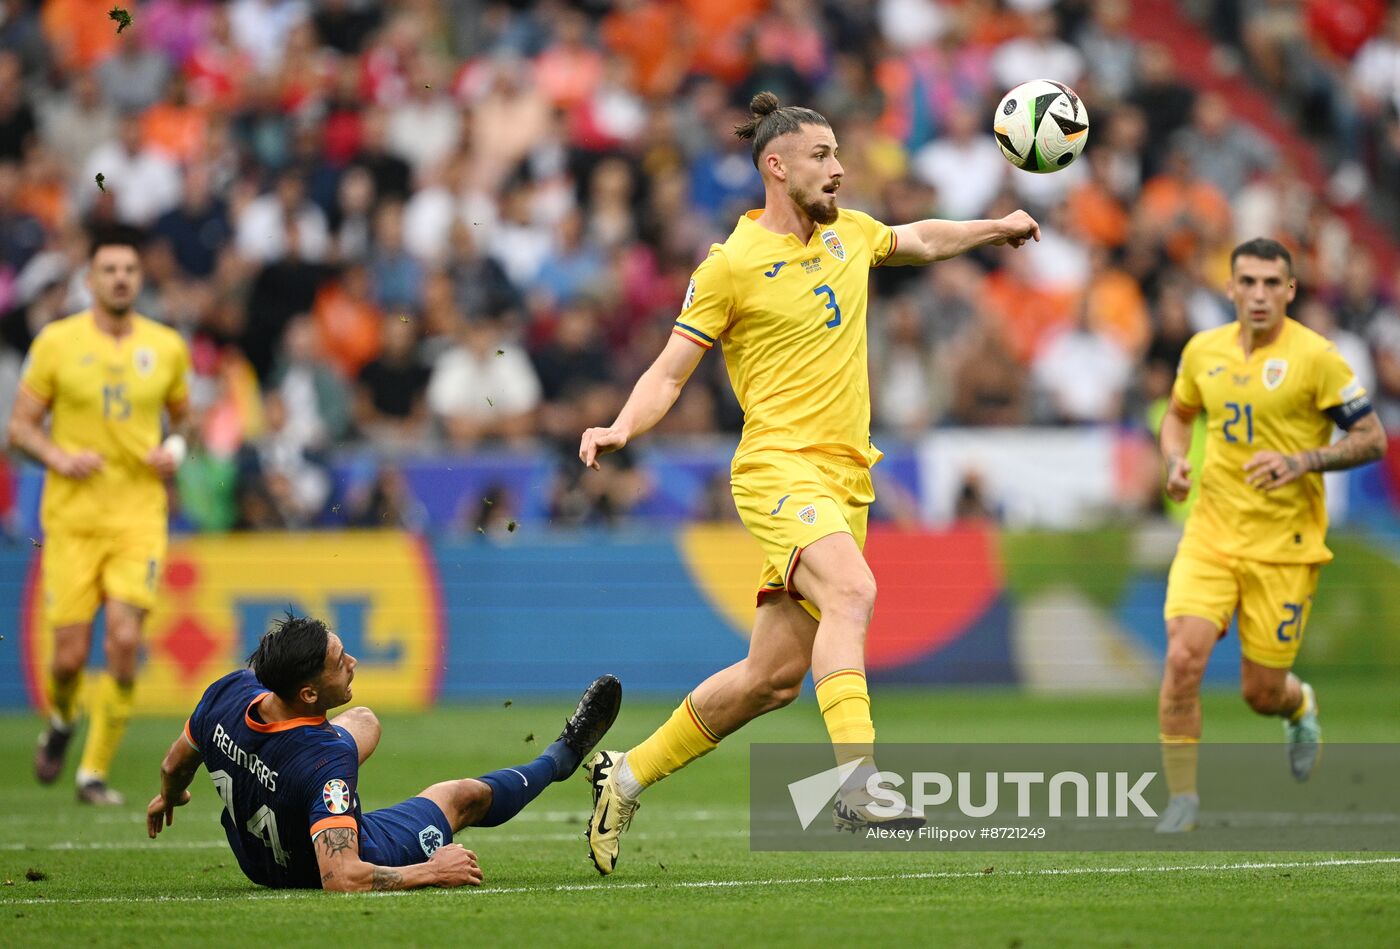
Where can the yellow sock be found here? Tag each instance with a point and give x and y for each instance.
(111, 710)
(1179, 756)
(1304, 707)
(845, 703)
(683, 738)
(63, 698)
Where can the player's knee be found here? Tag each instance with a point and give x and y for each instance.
(1264, 698)
(1185, 663)
(853, 597)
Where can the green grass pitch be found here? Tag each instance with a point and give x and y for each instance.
(686, 876)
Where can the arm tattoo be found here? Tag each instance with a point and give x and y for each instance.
(1355, 448)
(338, 840)
(386, 879)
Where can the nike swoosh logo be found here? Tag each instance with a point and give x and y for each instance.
(603, 827)
(522, 777)
(780, 505)
(776, 267)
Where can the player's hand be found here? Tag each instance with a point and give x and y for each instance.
(455, 866)
(1017, 228)
(1269, 470)
(83, 464)
(599, 441)
(160, 815)
(162, 462)
(1178, 478)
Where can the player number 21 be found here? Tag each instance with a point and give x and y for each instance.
(831, 304)
(1239, 412)
(263, 823)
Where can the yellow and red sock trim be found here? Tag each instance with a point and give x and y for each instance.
(689, 706)
(839, 672)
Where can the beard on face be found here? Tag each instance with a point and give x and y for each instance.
(814, 207)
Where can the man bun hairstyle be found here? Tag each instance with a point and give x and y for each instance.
(290, 654)
(769, 119)
(1265, 249)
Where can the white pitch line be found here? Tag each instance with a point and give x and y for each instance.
(772, 881)
(480, 837)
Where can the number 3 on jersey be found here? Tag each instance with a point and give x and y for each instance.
(831, 304)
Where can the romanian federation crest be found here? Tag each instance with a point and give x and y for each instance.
(145, 360)
(1274, 371)
(336, 794)
(833, 243)
(429, 838)
(808, 515)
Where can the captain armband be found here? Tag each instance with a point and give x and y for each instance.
(1349, 413)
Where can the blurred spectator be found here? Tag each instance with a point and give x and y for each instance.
(988, 383)
(261, 28)
(344, 25)
(389, 401)
(396, 275)
(1114, 305)
(484, 387)
(1224, 151)
(964, 166)
(573, 266)
(347, 320)
(315, 397)
(281, 486)
(199, 227)
(1357, 300)
(76, 124)
(1109, 51)
(908, 392)
(1084, 374)
(282, 289)
(17, 122)
(141, 183)
(21, 234)
(351, 225)
(1038, 53)
(425, 127)
(1183, 211)
(133, 79)
(20, 34)
(389, 503)
(391, 173)
(263, 226)
(1162, 99)
(579, 496)
(575, 356)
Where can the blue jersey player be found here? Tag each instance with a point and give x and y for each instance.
(289, 778)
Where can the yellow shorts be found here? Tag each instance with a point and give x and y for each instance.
(1273, 599)
(788, 500)
(82, 570)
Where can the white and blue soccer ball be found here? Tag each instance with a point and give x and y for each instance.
(1041, 126)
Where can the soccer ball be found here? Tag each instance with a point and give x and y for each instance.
(1041, 126)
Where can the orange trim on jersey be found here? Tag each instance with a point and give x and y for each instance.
(326, 823)
(694, 339)
(34, 395)
(840, 672)
(266, 727)
(190, 738)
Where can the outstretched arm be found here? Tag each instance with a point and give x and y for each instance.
(923, 242)
(178, 769)
(1364, 442)
(342, 870)
(652, 397)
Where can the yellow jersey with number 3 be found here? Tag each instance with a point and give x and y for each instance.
(790, 317)
(106, 395)
(1287, 397)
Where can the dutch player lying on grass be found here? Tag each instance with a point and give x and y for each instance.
(288, 777)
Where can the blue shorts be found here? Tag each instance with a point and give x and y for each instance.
(404, 834)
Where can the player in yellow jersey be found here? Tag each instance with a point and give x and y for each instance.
(1272, 391)
(104, 377)
(785, 296)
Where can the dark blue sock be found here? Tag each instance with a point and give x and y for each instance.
(513, 788)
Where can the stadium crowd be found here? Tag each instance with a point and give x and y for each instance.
(426, 226)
